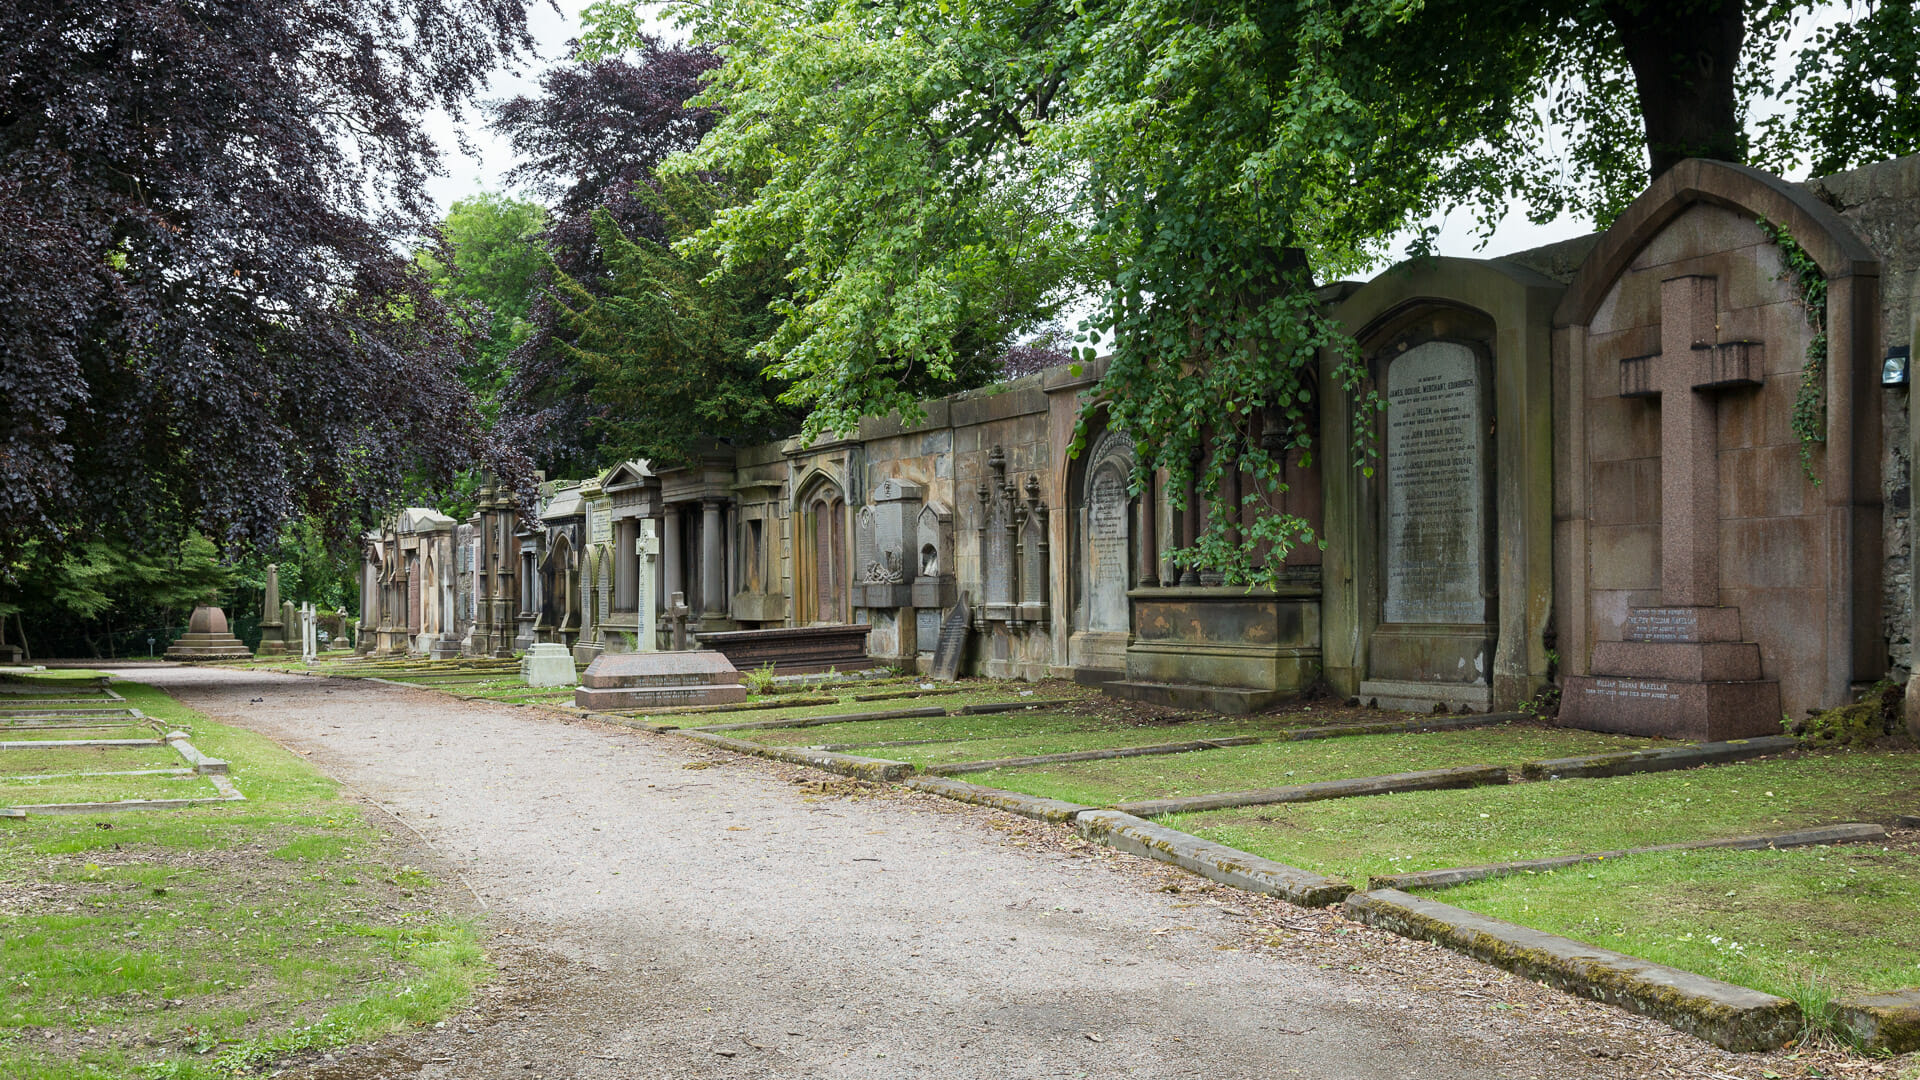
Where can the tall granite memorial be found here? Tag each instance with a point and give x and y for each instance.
(1716, 570)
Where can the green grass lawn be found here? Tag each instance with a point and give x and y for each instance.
(17, 764)
(1806, 923)
(1242, 768)
(197, 943)
(1389, 834)
(59, 732)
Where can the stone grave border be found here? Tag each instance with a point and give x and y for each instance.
(1733, 1017)
(198, 763)
(31, 697)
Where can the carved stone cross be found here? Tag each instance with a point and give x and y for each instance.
(1692, 363)
(676, 616)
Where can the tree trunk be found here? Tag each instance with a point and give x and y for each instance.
(1684, 54)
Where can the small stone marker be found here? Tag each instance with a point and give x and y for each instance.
(659, 679)
(547, 664)
(953, 642)
(676, 616)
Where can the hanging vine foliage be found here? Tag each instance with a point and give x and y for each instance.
(1810, 404)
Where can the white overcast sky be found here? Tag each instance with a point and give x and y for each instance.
(485, 168)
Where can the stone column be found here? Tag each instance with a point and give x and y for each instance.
(1189, 573)
(675, 581)
(1148, 551)
(712, 580)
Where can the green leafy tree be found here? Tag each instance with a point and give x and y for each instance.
(1200, 169)
(666, 342)
(489, 255)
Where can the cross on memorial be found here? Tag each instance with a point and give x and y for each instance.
(676, 616)
(1691, 365)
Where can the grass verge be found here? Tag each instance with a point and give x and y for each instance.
(1389, 834)
(201, 943)
(1242, 768)
(1810, 924)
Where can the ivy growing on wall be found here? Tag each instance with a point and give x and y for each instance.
(1810, 405)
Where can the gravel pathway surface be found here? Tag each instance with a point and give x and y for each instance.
(662, 910)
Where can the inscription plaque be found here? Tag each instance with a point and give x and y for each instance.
(599, 523)
(1107, 552)
(1663, 624)
(1436, 487)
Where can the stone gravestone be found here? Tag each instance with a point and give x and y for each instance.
(1435, 641)
(676, 616)
(648, 549)
(1436, 487)
(953, 642)
(1107, 512)
(1682, 669)
(273, 631)
(659, 680)
(547, 664)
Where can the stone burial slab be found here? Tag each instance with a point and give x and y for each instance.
(1459, 776)
(647, 679)
(547, 664)
(1728, 1016)
(1036, 807)
(1228, 866)
(1885, 1022)
(1657, 759)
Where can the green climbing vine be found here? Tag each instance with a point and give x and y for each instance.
(1810, 405)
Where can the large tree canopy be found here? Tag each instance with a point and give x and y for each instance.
(1197, 169)
(206, 308)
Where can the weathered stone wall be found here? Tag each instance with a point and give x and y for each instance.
(1882, 201)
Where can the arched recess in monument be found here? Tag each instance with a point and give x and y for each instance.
(1102, 543)
(1438, 569)
(1707, 582)
(822, 564)
(559, 593)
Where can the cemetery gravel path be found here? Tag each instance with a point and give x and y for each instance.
(654, 920)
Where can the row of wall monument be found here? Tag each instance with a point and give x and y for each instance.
(1587, 474)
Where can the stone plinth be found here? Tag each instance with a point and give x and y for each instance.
(1680, 673)
(794, 650)
(659, 679)
(1225, 648)
(207, 638)
(547, 664)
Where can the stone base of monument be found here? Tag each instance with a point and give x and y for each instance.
(659, 679)
(1410, 695)
(1680, 673)
(547, 664)
(1223, 648)
(794, 650)
(1234, 700)
(207, 638)
(443, 647)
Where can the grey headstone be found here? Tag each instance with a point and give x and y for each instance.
(1107, 552)
(953, 642)
(1436, 487)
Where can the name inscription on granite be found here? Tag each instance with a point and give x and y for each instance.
(1663, 624)
(1632, 689)
(1436, 487)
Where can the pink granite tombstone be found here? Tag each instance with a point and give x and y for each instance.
(1707, 583)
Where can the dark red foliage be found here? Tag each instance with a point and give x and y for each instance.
(206, 315)
(592, 138)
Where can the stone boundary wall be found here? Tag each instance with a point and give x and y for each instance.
(1882, 202)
